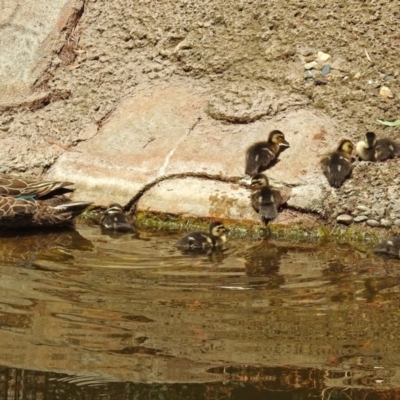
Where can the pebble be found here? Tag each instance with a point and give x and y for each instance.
(321, 56)
(308, 74)
(373, 222)
(344, 219)
(386, 223)
(326, 69)
(363, 208)
(385, 93)
(310, 65)
(397, 222)
(360, 218)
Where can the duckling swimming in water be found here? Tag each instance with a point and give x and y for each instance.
(193, 241)
(114, 219)
(337, 165)
(390, 247)
(373, 149)
(261, 155)
(264, 199)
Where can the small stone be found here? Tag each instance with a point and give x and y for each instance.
(308, 74)
(321, 56)
(310, 65)
(397, 222)
(344, 219)
(360, 218)
(373, 223)
(363, 208)
(386, 93)
(320, 82)
(357, 75)
(386, 223)
(326, 69)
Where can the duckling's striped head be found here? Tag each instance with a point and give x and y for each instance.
(259, 181)
(277, 137)
(217, 229)
(370, 139)
(346, 146)
(114, 208)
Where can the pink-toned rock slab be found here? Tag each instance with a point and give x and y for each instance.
(166, 130)
(29, 32)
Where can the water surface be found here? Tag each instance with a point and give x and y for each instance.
(86, 315)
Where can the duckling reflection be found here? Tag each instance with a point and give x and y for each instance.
(263, 259)
(54, 246)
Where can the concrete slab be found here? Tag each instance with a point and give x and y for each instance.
(164, 131)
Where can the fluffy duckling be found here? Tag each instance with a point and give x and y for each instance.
(373, 149)
(264, 199)
(114, 219)
(193, 241)
(366, 148)
(261, 155)
(337, 165)
(390, 247)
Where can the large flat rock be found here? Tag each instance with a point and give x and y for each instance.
(29, 30)
(166, 130)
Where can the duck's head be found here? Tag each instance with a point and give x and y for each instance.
(346, 146)
(370, 139)
(277, 137)
(114, 208)
(217, 229)
(259, 181)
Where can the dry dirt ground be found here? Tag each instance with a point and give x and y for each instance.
(237, 49)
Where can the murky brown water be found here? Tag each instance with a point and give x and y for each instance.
(84, 315)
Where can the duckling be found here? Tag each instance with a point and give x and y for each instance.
(366, 148)
(390, 247)
(337, 165)
(264, 199)
(385, 149)
(114, 219)
(215, 238)
(373, 149)
(261, 155)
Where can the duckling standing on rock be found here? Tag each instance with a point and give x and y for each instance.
(201, 241)
(389, 247)
(337, 165)
(373, 149)
(261, 155)
(114, 219)
(264, 199)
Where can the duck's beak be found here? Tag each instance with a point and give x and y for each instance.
(284, 143)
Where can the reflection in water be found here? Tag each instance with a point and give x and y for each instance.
(107, 310)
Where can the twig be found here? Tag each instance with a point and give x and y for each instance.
(63, 146)
(149, 141)
(193, 126)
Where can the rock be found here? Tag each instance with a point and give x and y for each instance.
(385, 93)
(344, 219)
(397, 222)
(363, 208)
(373, 223)
(308, 74)
(360, 218)
(321, 56)
(386, 223)
(326, 69)
(310, 65)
